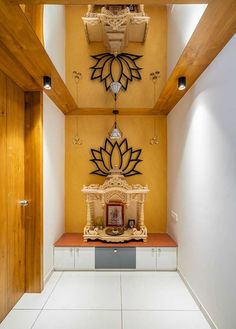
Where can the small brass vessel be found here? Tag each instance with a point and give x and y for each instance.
(114, 231)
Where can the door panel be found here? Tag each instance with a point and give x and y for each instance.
(146, 258)
(64, 258)
(34, 191)
(12, 189)
(85, 258)
(3, 199)
(15, 192)
(166, 259)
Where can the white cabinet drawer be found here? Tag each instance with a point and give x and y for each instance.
(166, 259)
(145, 258)
(84, 258)
(64, 258)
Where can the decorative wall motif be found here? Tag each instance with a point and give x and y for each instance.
(116, 155)
(107, 63)
(116, 25)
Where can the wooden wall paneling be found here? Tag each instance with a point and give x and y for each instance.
(34, 13)
(13, 69)
(3, 200)
(15, 187)
(34, 190)
(18, 36)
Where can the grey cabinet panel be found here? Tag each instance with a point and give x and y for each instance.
(115, 258)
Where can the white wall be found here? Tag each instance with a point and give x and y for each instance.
(53, 138)
(54, 35)
(53, 172)
(202, 186)
(182, 21)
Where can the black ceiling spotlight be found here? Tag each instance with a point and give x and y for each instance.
(181, 83)
(47, 82)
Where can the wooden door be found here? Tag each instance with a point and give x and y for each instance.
(15, 192)
(12, 223)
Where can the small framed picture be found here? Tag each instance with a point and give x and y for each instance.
(115, 214)
(131, 223)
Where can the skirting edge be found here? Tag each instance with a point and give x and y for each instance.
(198, 302)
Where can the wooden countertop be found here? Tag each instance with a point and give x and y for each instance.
(154, 240)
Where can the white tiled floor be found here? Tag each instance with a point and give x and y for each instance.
(86, 291)
(37, 301)
(108, 300)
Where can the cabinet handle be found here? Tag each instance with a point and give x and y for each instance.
(115, 251)
(71, 251)
(159, 251)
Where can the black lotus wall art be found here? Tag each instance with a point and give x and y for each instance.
(115, 154)
(121, 68)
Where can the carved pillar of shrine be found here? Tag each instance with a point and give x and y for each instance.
(90, 211)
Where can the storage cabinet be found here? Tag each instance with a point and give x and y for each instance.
(166, 259)
(69, 258)
(160, 259)
(139, 258)
(64, 258)
(146, 258)
(84, 258)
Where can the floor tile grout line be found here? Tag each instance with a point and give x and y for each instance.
(59, 279)
(158, 310)
(77, 309)
(46, 300)
(121, 304)
(108, 310)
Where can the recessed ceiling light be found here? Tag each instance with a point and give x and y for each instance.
(181, 83)
(47, 83)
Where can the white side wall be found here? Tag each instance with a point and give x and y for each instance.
(53, 138)
(182, 21)
(54, 35)
(54, 155)
(202, 186)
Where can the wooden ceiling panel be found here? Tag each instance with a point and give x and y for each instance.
(110, 2)
(19, 41)
(12, 68)
(19, 38)
(214, 30)
(108, 111)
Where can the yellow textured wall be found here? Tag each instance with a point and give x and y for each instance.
(92, 94)
(93, 131)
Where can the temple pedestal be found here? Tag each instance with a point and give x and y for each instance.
(112, 205)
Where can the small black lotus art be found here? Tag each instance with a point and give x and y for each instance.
(116, 154)
(106, 69)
